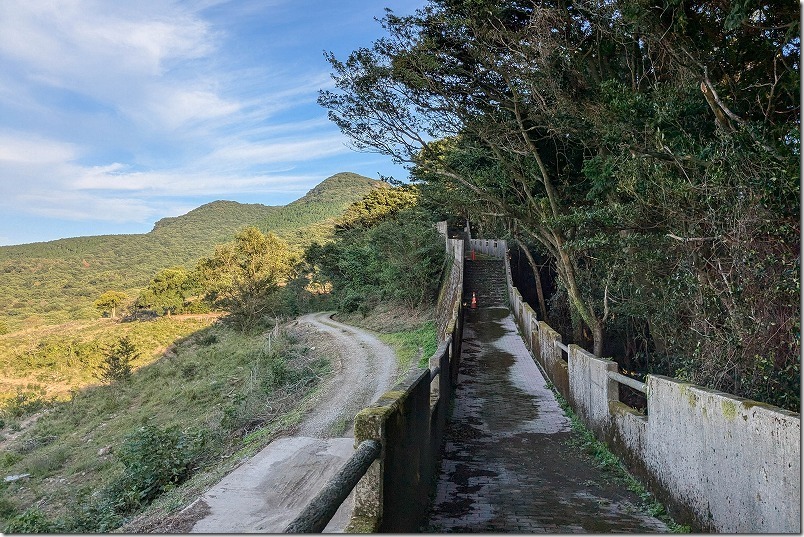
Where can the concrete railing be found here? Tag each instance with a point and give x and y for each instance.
(315, 517)
(721, 463)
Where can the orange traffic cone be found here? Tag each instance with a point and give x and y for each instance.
(473, 305)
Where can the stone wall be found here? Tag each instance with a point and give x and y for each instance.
(451, 291)
(722, 463)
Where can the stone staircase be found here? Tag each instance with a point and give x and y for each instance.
(486, 277)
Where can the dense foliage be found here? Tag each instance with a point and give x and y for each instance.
(109, 301)
(386, 249)
(377, 206)
(170, 291)
(648, 148)
(242, 277)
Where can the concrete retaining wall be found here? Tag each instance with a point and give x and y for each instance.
(492, 247)
(409, 422)
(720, 462)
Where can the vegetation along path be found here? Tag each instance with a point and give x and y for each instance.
(509, 462)
(268, 491)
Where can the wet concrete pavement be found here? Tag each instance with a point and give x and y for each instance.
(508, 462)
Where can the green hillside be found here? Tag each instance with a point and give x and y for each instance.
(56, 281)
(312, 216)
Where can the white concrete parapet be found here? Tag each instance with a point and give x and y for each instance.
(734, 461)
(729, 464)
(493, 247)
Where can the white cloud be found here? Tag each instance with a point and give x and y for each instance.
(278, 151)
(79, 206)
(65, 39)
(119, 54)
(33, 150)
(171, 184)
(174, 108)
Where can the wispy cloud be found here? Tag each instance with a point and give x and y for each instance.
(115, 111)
(16, 149)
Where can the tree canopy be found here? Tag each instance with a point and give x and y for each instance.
(110, 301)
(169, 290)
(386, 249)
(243, 276)
(648, 147)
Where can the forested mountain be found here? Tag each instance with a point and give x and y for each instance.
(59, 280)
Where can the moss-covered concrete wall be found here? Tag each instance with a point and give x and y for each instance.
(722, 463)
(734, 462)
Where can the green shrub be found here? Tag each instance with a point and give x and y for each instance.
(25, 401)
(156, 460)
(207, 340)
(116, 364)
(47, 461)
(95, 515)
(32, 520)
(9, 458)
(7, 508)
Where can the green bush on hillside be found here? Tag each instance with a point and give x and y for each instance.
(33, 520)
(116, 366)
(397, 260)
(155, 460)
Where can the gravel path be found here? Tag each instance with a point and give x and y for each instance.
(364, 370)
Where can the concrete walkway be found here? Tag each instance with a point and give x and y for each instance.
(508, 465)
(266, 493)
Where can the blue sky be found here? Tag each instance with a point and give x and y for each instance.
(116, 114)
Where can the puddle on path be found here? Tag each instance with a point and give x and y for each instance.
(487, 323)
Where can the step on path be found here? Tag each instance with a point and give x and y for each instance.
(486, 278)
(508, 465)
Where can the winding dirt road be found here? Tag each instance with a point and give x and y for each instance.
(364, 370)
(267, 492)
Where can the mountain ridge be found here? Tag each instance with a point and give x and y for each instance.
(58, 280)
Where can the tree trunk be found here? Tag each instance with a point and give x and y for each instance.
(597, 337)
(537, 278)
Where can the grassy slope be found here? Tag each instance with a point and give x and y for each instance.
(217, 381)
(53, 360)
(52, 282)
